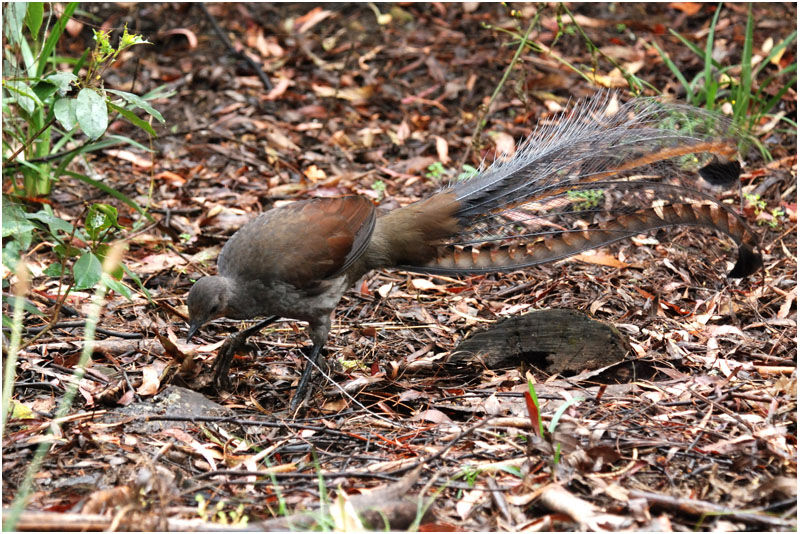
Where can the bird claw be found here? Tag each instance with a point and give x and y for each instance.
(225, 356)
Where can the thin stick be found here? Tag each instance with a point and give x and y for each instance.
(482, 119)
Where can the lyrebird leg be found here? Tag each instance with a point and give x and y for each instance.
(228, 349)
(303, 386)
(318, 333)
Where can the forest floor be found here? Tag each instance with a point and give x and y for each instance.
(695, 429)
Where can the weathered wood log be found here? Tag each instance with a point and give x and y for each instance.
(554, 341)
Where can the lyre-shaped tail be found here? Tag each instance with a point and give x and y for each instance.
(597, 175)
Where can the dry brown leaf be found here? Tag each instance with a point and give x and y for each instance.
(356, 95)
(311, 19)
(155, 263)
(281, 141)
(690, 8)
(207, 451)
(384, 290)
(278, 89)
(442, 150)
(127, 155)
(424, 284)
(470, 499)
(786, 307)
(403, 133)
(433, 416)
(314, 173)
(504, 144)
(601, 259)
(191, 38)
(174, 178)
(151, 378)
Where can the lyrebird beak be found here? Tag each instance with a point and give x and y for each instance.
(193, 328)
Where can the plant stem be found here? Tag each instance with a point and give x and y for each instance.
(479, 125)
(30, 141)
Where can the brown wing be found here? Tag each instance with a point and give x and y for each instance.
(301, 243)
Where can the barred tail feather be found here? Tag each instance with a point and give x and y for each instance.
(490, 257)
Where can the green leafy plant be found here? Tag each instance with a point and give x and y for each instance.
(764, 215)
(535, 414)
(379, 186)
(468, 172)
(80, 251)
(435, 170)
(44, 109)
(737, 86)
(218, 513)
(469, 474)
(586, 199)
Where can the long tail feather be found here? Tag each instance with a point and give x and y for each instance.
(597, 175)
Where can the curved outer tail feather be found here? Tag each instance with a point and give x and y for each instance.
(505, 257)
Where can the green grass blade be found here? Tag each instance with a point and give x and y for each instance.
(55, 35)
(707, 61)
(674, 69)
(742, 103)
(109, 191)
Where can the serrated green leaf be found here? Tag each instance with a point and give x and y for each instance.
(91, 112)
(130, 39)
(87, 271)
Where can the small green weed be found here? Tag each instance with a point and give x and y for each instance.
(379, 186)
(744, 93)
(218, 514)
(586, 199)
(436, 171)
(764, 216)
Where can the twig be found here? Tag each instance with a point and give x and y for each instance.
(82, 323)
(224, 38)
(480, 123)
(704, 508)
(31, 140)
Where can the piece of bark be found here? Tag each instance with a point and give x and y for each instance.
(554, 341)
